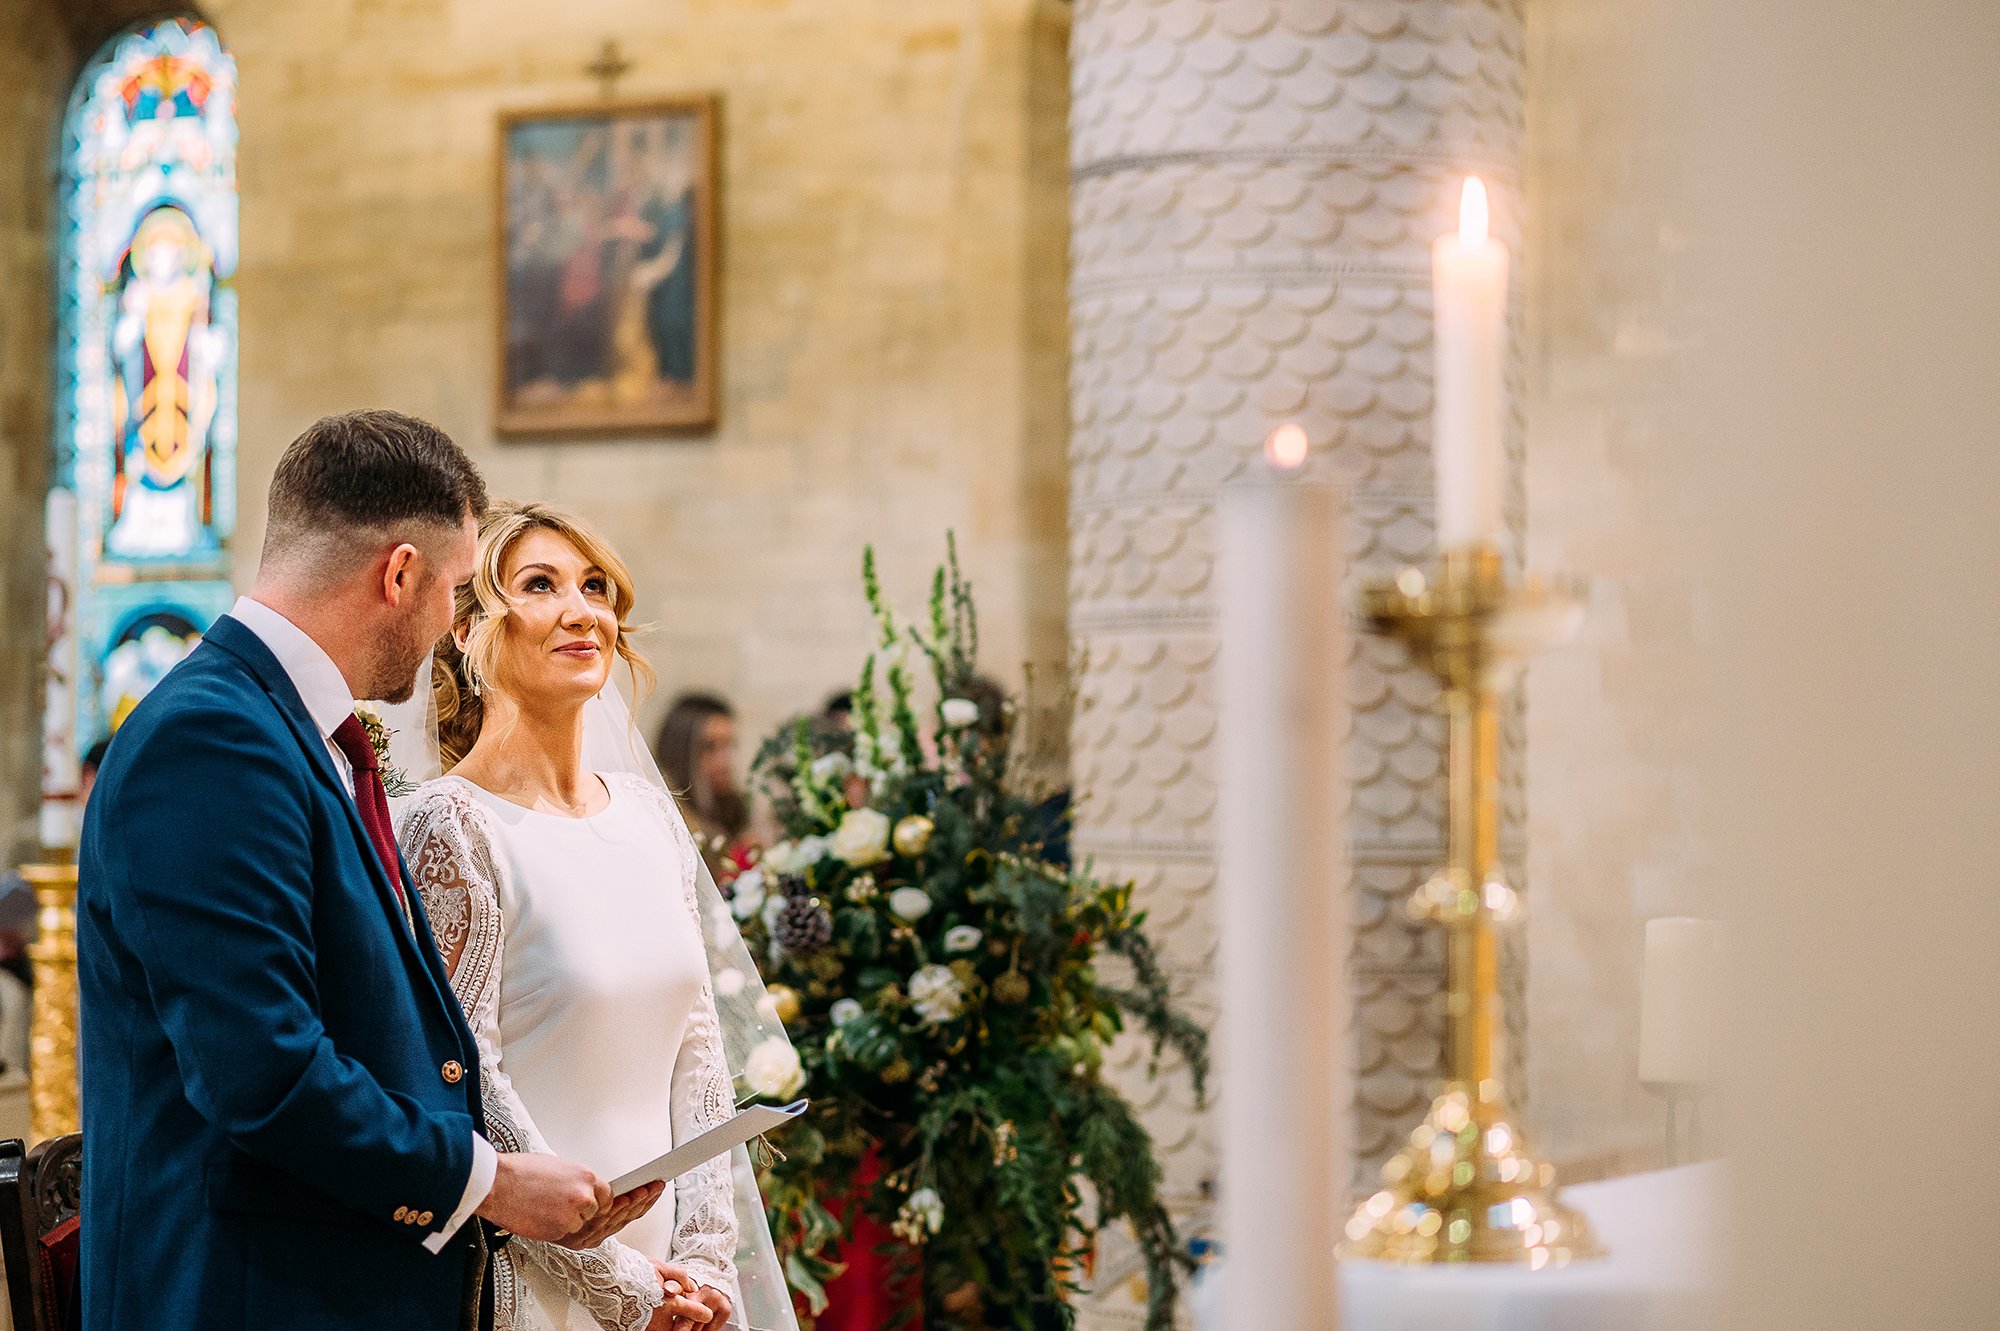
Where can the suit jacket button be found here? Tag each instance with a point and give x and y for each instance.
(401, 1211)
(453, 1071)
(424, 1219)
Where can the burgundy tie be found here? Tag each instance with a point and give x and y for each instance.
(351, 738)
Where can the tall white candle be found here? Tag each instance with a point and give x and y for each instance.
(1680, 1003)
(1286, 1085)
(1469, 294)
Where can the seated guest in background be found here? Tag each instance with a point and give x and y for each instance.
(697, 752)
(1046, 830)
(836, 714)
(86, 769)
(18, 907)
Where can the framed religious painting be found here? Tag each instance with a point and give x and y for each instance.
(607, 268)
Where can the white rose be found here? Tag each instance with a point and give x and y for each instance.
(862, 837)
(936, 994)
(961, 938)
(843, 1011)
(910, 903)
(926, 1206)
(729, 982)
(749, 894)
(773, 1070)
(782, 858)
(813, 849)
(830, 767)
(959, 713)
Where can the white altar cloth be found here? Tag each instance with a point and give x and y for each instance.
(1663, 1262)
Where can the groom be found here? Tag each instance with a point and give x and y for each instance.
(281, 1106)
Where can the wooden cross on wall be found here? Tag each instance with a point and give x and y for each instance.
(609, 66)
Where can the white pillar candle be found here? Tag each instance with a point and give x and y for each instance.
(1680, 1002)
(1286, 1085)
(1468, 421)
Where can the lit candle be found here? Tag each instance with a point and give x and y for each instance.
(1680, 1001)
(1469, 295)
(1281, 895)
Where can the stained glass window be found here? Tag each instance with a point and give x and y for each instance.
(143, 496)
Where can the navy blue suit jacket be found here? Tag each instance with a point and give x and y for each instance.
(270, 1126)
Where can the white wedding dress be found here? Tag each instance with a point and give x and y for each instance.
(574, 945)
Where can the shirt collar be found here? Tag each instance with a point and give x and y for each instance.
(321, 686)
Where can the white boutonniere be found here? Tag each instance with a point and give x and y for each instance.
(394, 780)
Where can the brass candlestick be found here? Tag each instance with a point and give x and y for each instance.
(54, 1103)
(1467, 1188)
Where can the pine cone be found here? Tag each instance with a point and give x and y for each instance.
(803, 926)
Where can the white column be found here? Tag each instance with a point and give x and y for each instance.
(60, 814)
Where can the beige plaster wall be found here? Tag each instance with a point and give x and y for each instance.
(34, 64)
(1609, 839)
(892, 330)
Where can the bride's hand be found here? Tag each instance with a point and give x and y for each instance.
(717, 1303)
(685, 1308)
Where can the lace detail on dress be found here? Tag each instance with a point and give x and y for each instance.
(449, 849)
(508, 1293)
(610, 1282)
(704, 1197)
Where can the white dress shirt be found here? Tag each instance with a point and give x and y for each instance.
(329, 702)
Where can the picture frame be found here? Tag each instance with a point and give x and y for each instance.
(606, 268)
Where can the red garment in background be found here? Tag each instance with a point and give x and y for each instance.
(864, 1297)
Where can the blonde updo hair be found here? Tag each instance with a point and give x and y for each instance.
(460, 677)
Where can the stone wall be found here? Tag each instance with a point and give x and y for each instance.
(892, 341)
(35, 60)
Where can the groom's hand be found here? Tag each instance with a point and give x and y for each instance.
(544, 1196)
(623, 1210)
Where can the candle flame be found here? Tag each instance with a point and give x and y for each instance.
(1472, 220)
(1287, 446)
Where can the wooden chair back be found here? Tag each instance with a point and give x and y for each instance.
(41, 1193)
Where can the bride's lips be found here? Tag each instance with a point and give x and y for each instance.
(583, 651)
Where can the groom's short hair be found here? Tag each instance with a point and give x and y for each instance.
(366, 473)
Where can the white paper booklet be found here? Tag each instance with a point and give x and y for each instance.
(752, 1122)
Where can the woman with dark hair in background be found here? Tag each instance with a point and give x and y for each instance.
(697, 752)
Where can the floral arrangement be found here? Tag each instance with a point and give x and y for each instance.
(940, 977)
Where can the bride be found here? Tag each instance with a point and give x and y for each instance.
(570, 905)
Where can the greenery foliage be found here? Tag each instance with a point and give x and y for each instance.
(938, 969)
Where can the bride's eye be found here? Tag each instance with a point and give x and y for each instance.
(597, 586)
(539, 583)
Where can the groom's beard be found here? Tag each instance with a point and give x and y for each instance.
(393, 676)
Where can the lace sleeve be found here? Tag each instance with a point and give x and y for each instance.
(704, 1198)
(450, 855)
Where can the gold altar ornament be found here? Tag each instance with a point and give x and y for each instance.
(54, 1106)
(1467, 1188)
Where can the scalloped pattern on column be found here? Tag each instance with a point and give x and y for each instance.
(1254, 188)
